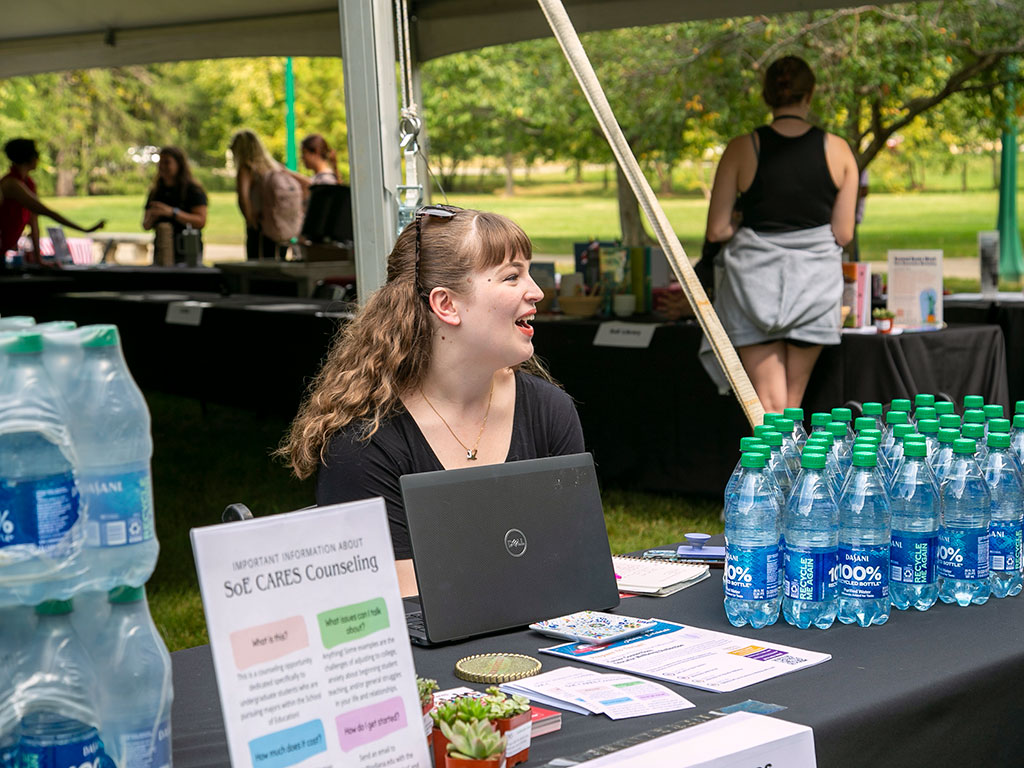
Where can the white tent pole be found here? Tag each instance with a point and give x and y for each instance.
(371, 113)
(706, 316)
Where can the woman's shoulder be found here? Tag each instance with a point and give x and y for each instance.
(542, 392)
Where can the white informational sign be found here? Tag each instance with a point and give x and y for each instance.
(915, 288)
(739, 740)
(309, 640)
(186, 312)
(616, 334)
(701, 658)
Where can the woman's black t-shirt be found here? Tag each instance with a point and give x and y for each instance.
(545, 424)
(192, 198)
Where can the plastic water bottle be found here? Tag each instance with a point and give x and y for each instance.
(973, 401)
(1017, 436)
(799, 433)
(819, 422)
(746, 444)
(892, 418)
(976, 432)
(863, 422)
(40, 516)
(832, 472)
(790, 451)
(16, 322)
(811, 529)
(991, 411)
(1005, 537)
(930, 429)
(752, 530)
(769, 418)
(110, 424)
(864, 539)
(942, 460)
(943, 407)
(136, 670)
(1002, 426)
(884, 465)
(874, 411)
(840, 447)
(916, 517)
(974, 416)
(902, 405)
(924, 412)
(777, 464)
(950, 421)
(844, 415)
(10, 723)
(963, 540)
(924, 399)
(900, 433)
(62, 356)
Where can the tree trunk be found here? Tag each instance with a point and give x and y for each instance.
(963, 175)
(65, 186)
(604, 182)
(510, 183)
(630, 218)
(578, 164)
(664, 173)
(995, 169)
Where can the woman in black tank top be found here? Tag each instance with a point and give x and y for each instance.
(782, 182)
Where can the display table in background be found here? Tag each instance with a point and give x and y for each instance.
(1005, 310)
(939, 688)
(651, 417)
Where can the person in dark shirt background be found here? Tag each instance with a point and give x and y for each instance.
(435, 372)
(175, 197)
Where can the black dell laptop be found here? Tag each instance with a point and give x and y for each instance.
(504, 545)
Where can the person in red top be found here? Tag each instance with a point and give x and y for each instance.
(21, 206)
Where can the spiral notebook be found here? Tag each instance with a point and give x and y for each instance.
(655, 578)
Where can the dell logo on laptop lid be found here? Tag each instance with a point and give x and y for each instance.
(515, 542)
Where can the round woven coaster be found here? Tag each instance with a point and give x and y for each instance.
(496, 667)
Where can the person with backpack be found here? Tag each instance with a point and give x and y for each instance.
(269, 195)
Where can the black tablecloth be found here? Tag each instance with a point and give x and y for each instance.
(940, 688)
(651, 417)
(1008, 313)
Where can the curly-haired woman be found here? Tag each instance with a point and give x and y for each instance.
(435, 372)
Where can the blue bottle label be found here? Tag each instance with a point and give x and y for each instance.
(811, 574)
(1005, 545)
(38, 512)
(120, 508)
(752, 573)
(963, 553)
(912, 557)
(864, 572)
(83, 751)
(148, 748)
(8, 753)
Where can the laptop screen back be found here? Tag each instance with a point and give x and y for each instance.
(504, 545)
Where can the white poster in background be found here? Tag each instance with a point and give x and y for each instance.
(915, 288)
(309, 640)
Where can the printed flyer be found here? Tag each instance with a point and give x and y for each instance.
(915, 288)
(309, 640)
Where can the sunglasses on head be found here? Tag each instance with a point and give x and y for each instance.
(436, 212)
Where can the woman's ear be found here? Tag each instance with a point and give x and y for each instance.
(442, 304)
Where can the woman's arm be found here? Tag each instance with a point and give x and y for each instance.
(843, 167)
(15, 190)
(243, 185)
(721, 225)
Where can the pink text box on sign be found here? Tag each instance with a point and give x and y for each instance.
(266, 642)
(370, 723)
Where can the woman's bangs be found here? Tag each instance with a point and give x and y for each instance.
(499, 240)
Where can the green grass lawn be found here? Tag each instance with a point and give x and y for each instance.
(556, 214)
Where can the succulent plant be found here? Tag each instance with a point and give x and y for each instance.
(502, 706)
(445, 712)
(471, 708)
(425, 687)
(476, 740)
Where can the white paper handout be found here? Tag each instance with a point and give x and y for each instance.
(700, 658)
(309, 639)
(915, 288)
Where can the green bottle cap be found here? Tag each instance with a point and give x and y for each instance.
(999, 425)
(824, 437)
(973, 401)
(964, 445)
(1018, 421)
(753, 460)
(820, 419)
(925, 412)
(915, 437)
(872, 409)
(915, 449)
(864, 422)
(923, 400)
(55, 326)
(900, 404)
(784, 425)
(813, 460)
(1019, 407)
(837, 428)
(900, 431)
(865, 459)
(773, 439)
(949, 421)
(993, 411)
(865, 445)
(54, 608)
(747, 443)
(998, 439)
(897, 417)
(22, 343)
(948, 435)
(769, 417)
(942, 407)
(928, 426)
(796, 414)
(842, 414)
(973, 431)
(99, 336)
(763, 429)
(974, 416)
(126, 595)
(873, 432)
